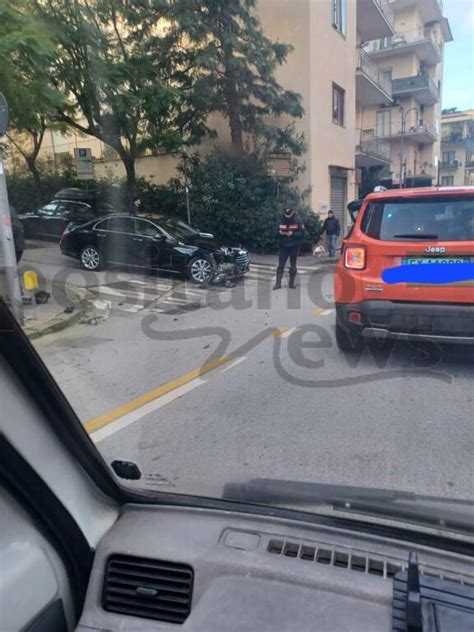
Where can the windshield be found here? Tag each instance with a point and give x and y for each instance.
(177, 228)
(442, 220)
(288, 331)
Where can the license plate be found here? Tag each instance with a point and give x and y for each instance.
(413, 261)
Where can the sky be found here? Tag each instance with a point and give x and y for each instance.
(458, 88)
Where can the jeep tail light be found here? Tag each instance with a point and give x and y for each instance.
(355, 257)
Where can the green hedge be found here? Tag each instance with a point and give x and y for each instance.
(231, 197)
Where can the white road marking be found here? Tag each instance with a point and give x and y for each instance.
(136, 415)
(234, 363)
(180, 301)
(288, 332)
(139, 294)
(98, 304)
(327, 312)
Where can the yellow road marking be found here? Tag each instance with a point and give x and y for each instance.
(278, 331)
(107, 418)
(103, 420)
(317, 311)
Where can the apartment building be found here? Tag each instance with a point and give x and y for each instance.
(405, 128)
(456, 167)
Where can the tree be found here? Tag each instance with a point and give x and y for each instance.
(126, 76)
(26, 50)
(238, 64)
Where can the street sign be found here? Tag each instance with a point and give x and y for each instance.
(84, 164)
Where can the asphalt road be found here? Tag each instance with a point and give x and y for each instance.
(229, 384)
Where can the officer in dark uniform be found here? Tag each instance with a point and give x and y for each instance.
(290, 233)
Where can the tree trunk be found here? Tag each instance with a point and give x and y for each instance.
(31, 162)
(233, 105)
(129, 164)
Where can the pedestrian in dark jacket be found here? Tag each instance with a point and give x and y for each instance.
(135, 206)
(290, 232)
(332, 228)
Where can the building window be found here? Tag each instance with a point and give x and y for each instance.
(337, 105)
(447, 181)
(383, 123)
(449, 156)
(339, 15)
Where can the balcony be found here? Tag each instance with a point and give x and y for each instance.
(372, 86)
(417, 132)
(448, 164)
(431, 10)
(421, 41)
(469, 164)
(371, 151)
(421, 87)
(374, 19)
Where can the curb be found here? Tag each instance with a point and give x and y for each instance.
(60, 322)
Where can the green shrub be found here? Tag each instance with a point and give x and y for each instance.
(234, 198)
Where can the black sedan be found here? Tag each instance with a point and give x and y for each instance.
(50, 220)
(155, 242)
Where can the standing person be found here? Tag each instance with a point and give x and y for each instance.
(332, 228)
(135, 206)
(290, 232)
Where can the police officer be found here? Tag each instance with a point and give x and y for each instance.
(290, 233)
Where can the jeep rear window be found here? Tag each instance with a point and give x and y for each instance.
(448, 219)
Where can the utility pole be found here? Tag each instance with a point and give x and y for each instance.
(402, 139)
(184, 154)
(7, 244)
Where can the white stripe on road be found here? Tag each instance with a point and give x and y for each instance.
(105, 289)
(327, 312)
(136, 415)
(234, 363)
(180, 301)
(288, 332)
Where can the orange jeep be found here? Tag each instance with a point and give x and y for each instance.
(383, 286)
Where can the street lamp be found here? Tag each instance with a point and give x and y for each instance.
(402, 137)
(183, 150)
(6, 230)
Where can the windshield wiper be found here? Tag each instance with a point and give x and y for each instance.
(449, 512)
(417, 236)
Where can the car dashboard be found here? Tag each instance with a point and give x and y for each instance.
(169, 568)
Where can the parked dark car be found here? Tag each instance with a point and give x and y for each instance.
(70, 206)
(156, 242)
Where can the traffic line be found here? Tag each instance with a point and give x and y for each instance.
(107, 424)
(278, 332)
(234, 363)
(133, 405)
(130, 418)
(288, 332)
(317, 311)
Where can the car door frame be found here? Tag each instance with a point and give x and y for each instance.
(104, 238)
(142, 241)
(37, 223)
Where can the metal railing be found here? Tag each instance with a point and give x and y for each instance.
(371, 69)
(412, 127)
(469, 164)
(416, 82)
(449, 164)
(405, 38)
(374, 146)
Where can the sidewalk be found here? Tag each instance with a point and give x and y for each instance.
(306, 261)
(65, 307)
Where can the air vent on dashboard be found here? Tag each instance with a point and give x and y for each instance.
(148, 588)
(360, 561)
